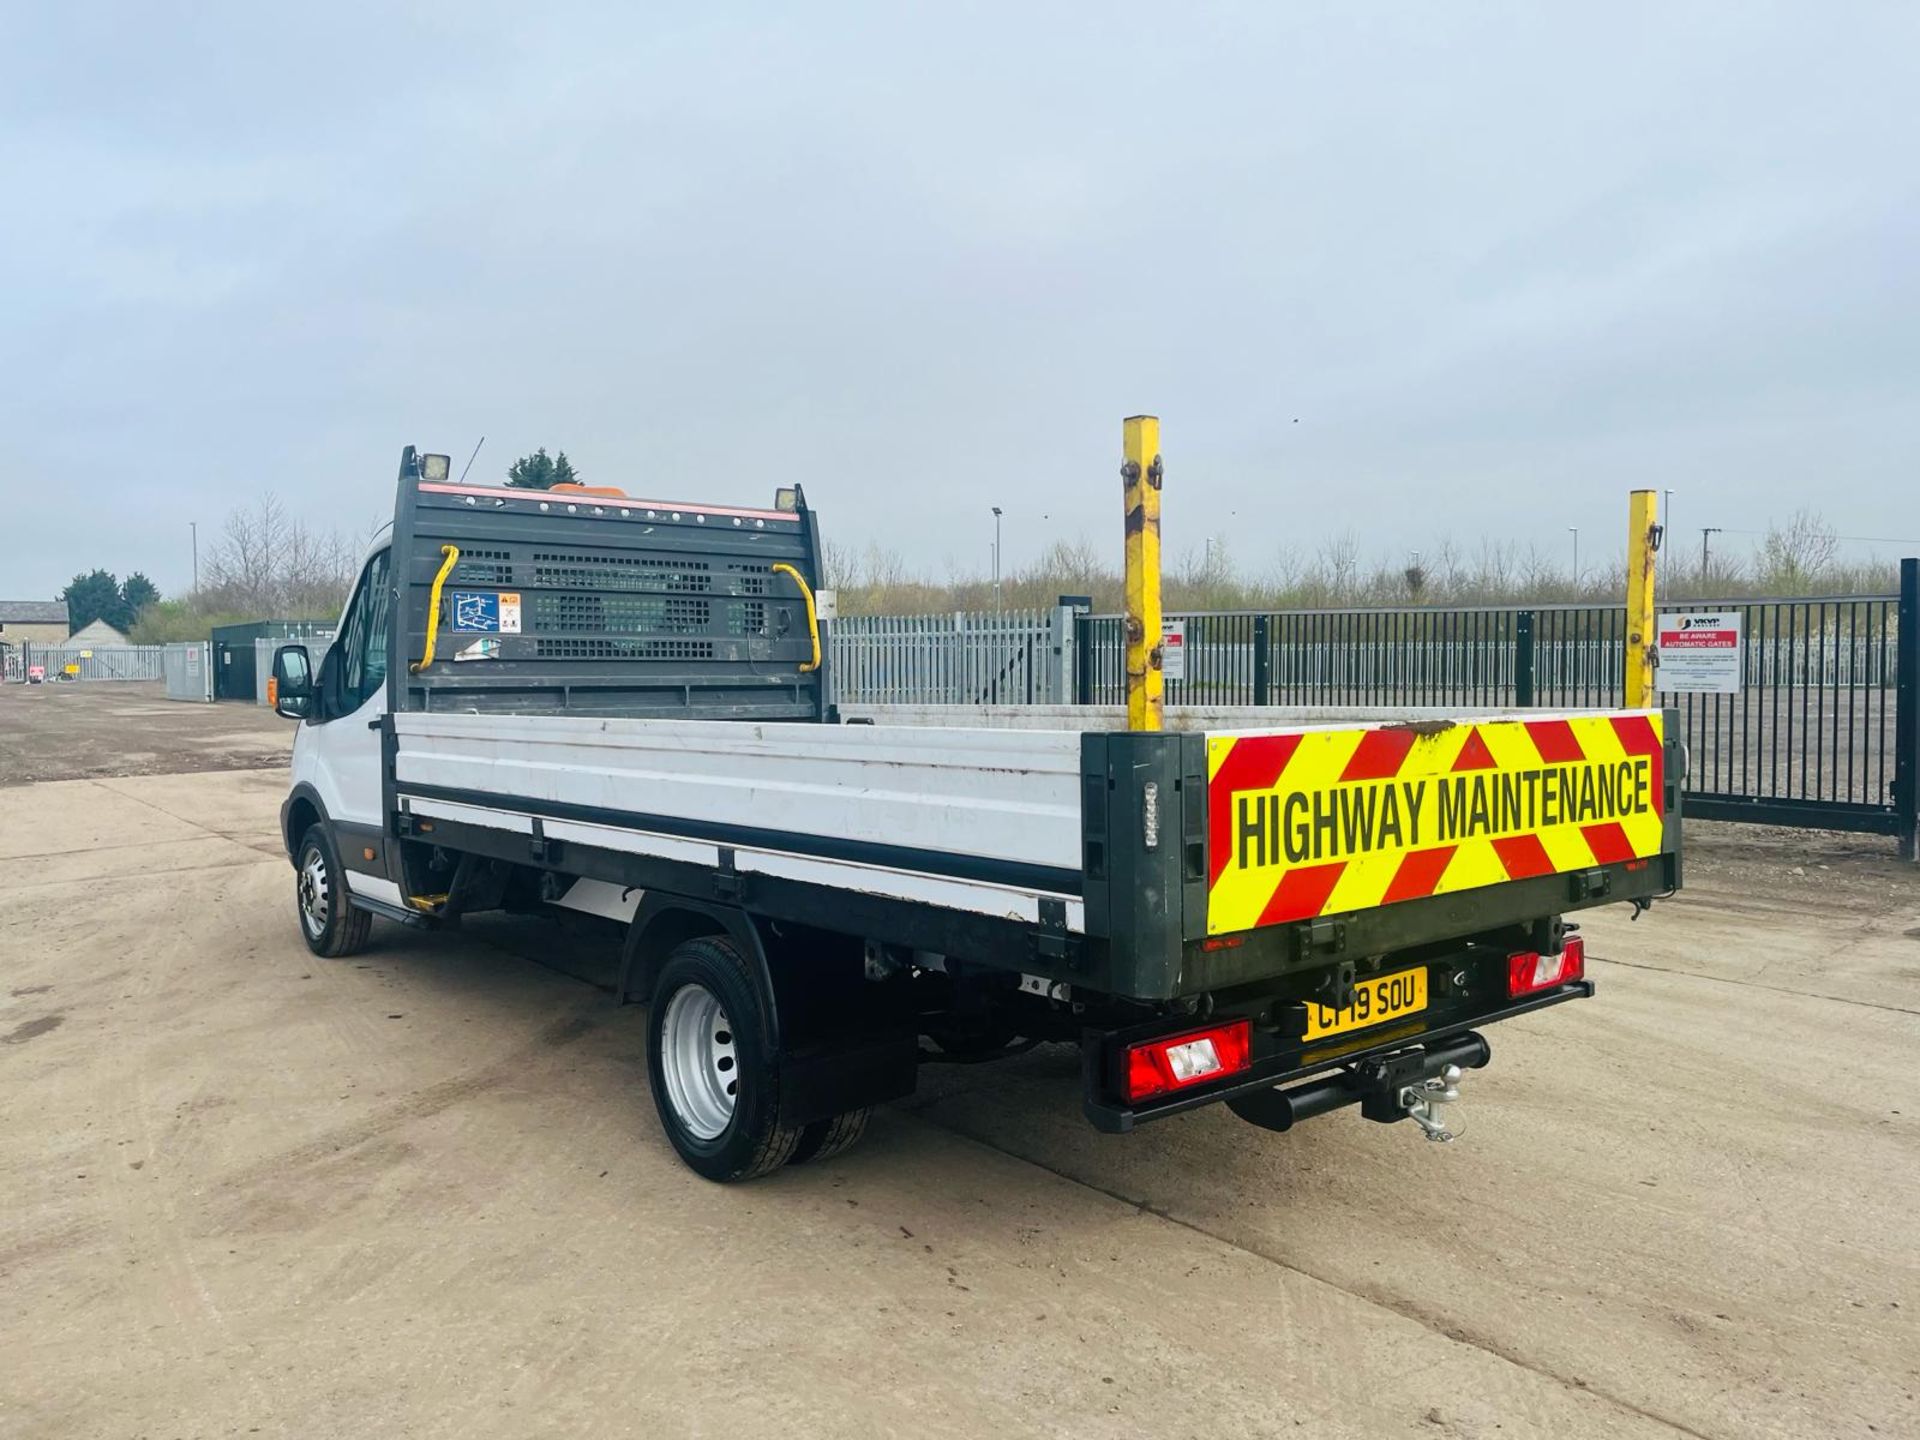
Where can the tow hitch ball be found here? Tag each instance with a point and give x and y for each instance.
(1425, 1104)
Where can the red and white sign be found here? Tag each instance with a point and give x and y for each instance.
(1699, 653)
(1173, 649)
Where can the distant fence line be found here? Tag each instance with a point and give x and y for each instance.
(963, 658)
(1547, 655)
(1813, 737)
(91, 662)
(1824, 732)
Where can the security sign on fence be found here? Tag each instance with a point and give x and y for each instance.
(1699, 653)
(1173, 649)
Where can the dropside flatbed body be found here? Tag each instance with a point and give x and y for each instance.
(618, 707)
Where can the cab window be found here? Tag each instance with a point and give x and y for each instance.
(363, 638)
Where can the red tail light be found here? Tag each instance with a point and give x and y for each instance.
(1155, 1067)
(1529, 970)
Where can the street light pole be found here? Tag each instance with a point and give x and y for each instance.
(1575, 529)
(998, 606)
(194, 526)
(1666, 529)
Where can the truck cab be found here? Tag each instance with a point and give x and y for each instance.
(337, 761)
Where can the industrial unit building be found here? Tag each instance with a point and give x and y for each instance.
(28, 625)
(33, 622)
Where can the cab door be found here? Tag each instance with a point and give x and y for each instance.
(339, 750)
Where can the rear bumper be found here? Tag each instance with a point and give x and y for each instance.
(1351, 1057)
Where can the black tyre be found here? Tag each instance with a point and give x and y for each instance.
(710, 1059)
(824, 1139)
(330, 926)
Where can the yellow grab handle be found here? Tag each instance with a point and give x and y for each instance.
(813, 615)
(452, 552)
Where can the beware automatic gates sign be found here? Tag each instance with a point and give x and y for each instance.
(1699, 653)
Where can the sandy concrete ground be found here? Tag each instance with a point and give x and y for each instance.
(422, 1193)
(129, 727)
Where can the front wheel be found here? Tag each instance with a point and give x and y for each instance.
(711, 1063)
(328, 922)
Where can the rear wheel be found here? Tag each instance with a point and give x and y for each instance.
(711, 1063)
(328, 922)
(824, 1139)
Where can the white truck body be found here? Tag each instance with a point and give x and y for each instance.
(618, 707)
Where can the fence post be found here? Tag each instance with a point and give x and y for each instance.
(1523, 659)
(1082, 657)
(1262, 660)
(1062, 670)
(1906, 711)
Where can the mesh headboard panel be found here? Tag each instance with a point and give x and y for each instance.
(603, 605)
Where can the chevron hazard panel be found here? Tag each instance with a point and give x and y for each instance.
(1322, 822)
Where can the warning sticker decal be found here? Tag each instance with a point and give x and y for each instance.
(1324, 822)
(476, 610)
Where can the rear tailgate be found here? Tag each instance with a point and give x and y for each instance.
(1311, 823)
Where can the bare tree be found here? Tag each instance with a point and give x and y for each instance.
(1792, 559)
(267, 563)
(1795, 556)
(1541, 575)
(840, 566)
(1415, 577)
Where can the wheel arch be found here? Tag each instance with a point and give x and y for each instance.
(664, 922)
(302, 809)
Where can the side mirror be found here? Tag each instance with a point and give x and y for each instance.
(290, 690)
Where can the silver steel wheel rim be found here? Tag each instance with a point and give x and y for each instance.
(697, 1061)
(311, 888)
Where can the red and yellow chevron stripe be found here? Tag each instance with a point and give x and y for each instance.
(1320, 822)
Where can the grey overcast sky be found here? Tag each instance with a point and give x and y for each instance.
(1502, 263)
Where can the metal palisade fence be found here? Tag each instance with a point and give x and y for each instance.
(189, 669)
(1811, 738)
(1824, 730)
(95, 662)
(1012, 657)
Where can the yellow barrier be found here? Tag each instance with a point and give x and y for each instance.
(1643, 539)
(1146, 684)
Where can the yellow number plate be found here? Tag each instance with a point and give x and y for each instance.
(1375, 1001)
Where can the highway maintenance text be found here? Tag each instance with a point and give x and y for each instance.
(1301, 827)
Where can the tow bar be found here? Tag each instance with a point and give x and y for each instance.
(1423, 1104)
(1411, 1085)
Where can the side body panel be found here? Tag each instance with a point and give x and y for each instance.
(994, 805)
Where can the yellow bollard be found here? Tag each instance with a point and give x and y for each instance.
(1643, 539)
(1142, 474)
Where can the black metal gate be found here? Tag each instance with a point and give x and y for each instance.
(234, 676)
(1825, 731)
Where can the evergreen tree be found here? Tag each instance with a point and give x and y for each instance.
(94, 597)
(137, 592)
(540, 471)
